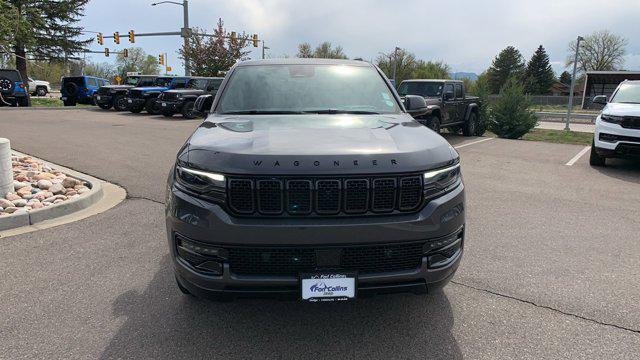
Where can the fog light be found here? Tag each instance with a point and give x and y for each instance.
(212, 267)
(202, 257)
(432, 245)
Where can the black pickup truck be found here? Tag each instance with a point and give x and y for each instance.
(447, 105)
(182, 100)
(116, 95)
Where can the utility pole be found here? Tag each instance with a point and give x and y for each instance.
(395, 64)
(573, 82)
(184, 32)
(264, 48)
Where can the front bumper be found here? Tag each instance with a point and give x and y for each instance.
(170, 106)
(209, 224)
(103, 99)
(136, 102)
(612, 140)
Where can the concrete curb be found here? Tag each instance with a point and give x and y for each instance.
(57, 210)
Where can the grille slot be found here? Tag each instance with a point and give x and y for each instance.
(321, 196)
(270, 196)
(356, 195)
(328, 196)
(241, 195)
(290, 261)
(410, 192)
(384, 194)
(103, 91)
(299, 196)
(169, 96)
(135, 93)
(631, 122)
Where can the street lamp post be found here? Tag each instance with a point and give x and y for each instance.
(264, 48)
(184, 32)
(573, 81)
(395, 64)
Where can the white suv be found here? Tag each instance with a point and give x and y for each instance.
(39, 87)
(618, 125)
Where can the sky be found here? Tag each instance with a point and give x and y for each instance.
(465, 34)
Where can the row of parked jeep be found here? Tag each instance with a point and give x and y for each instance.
(166, 95)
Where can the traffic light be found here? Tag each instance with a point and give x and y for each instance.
(116, 37)
(106, 52)
(132, 37)
(125, 52)
(255, 40)
(234, 36)
(161, 59)
(100, 40)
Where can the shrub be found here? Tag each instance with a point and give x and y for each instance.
(510, 116)
(481, 89)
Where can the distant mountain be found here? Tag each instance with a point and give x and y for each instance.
(461, 75)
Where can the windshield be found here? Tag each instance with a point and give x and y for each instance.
(132, 80)
(422, 88)
(146, 81)
(307, 88)
(197, 84)
(162, 82)
(627, 93)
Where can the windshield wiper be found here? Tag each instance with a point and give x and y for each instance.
(260, 112)
(336, 111)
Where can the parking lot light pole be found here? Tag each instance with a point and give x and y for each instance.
(395, 64)
(264, 48)
(573, 82)
(185, 30)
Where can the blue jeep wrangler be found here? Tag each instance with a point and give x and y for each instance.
(140, 98)
(13, 91)
(80, 89)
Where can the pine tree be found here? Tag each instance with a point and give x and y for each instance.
(45, 30)
(565, 78)
(539, 74)
(511, 117)
(507, 64)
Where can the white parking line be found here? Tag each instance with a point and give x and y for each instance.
(578, 156)
(472, 143)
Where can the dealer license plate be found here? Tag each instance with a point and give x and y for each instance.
(318, 287)
(164, 104)
(129, 101)
(98, 97)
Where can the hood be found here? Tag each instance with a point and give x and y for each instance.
(315, 144)
(116, 87)
(186, 91)
(150, 88)
(432, 101)
(620, 109)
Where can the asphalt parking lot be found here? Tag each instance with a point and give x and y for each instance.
(550, 269)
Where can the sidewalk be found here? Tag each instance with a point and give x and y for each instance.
(588, 128)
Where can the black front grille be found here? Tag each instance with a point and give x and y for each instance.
(169, 96)
(631, 122)
(135, 93)
(284, 196)
(103, 91)
(291, 261)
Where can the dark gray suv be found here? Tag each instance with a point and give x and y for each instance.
(309, 179)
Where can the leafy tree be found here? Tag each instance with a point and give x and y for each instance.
(304, 51)
(539, 74)
(431, 70)
(100, 69)
(511, 117)
(137, 61)
(42, 29)
(507, 64)
(323, 51)
(600, 51)
(50, 71)
(565, 78)
(214, 55)
(405, 69)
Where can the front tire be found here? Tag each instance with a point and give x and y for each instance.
(594, 158)
(151, 106)
(188, 111)
(433, 123)
(120, 103)
(469, 128)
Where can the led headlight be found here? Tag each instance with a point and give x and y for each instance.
(201, 182)
(438, 182)
(612, 118)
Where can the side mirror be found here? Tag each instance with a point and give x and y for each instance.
(447, 96)
(203, 104)
(415, 105)
(600, 99)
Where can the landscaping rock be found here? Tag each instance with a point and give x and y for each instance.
(57, 189)
(44, 184)
(12, 197)
(4, 203)
(20, 203)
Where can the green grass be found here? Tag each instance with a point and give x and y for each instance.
(50, 102)
(559, 136)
